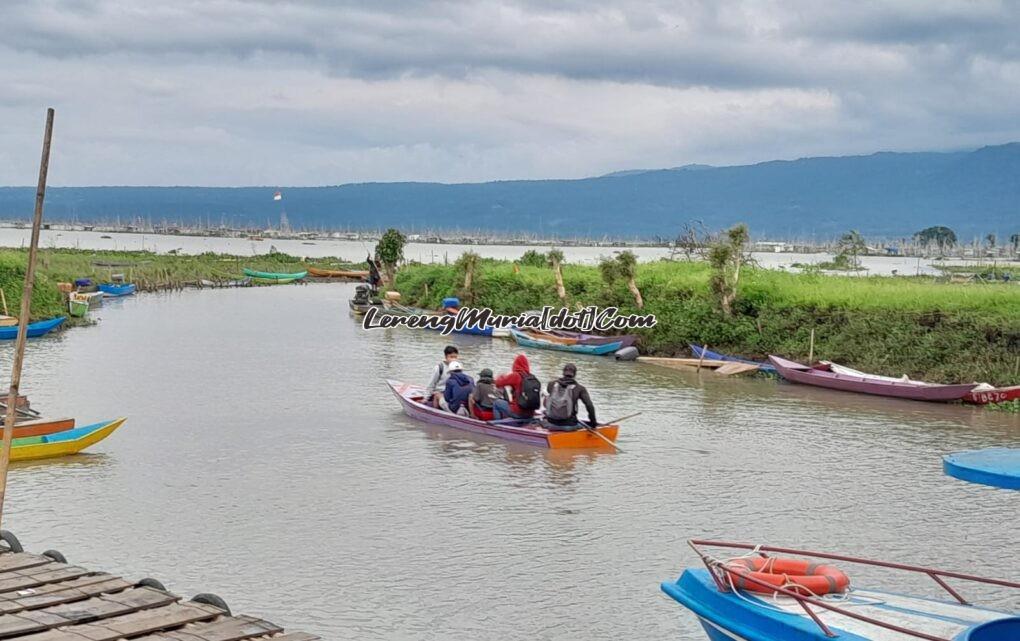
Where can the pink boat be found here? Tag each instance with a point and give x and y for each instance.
(984, 394)
(845, 379)
(532, 433)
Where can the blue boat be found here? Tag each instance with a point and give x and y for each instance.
(598, 350)
(698, 350)
(111, 289)
(994, 466)
(34, 329)
(734, 602)
(396, 309)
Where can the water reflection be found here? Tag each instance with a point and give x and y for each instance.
(265, 459)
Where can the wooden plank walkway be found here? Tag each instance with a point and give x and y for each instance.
(43, 600)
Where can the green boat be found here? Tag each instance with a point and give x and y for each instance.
(272, 281)
(78, 307)
(274, 276)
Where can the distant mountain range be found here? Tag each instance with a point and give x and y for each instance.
(884, 194)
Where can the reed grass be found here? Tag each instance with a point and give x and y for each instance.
(938, 331)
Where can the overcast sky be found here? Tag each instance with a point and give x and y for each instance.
(224, 92)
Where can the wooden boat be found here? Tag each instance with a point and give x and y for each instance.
(723, 368)
(529, 432)
(62, 443)
(337, 273)
(272, 281)
(34, 329)
(94, 299)
(735, 603)
(397, 309)
(625, 340)
(42, 427)
(77, 307)
(984, 394)
(552, 337)
(700, 352)
(114, 289)
(849, 380)
(525, 341)
(280, 276)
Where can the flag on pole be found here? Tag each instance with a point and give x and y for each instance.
(277, 196)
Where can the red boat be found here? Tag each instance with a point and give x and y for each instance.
(985, 394)
(845, 379)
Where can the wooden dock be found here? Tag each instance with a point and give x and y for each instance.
(45, 599)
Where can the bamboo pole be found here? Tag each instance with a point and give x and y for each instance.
(701, 359)
(26, 307)
(4, 298)
(811, 349)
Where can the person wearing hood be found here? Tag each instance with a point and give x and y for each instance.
(526, 392)
(561, 403)
(485, 395)
(458, 389)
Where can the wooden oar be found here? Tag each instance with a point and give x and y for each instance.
(612, 422)
(599, 434)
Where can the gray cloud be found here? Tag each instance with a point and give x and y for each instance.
(226, 91)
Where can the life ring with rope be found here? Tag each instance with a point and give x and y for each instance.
(796, 575)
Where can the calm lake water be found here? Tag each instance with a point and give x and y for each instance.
(421, 252)
(265, 460)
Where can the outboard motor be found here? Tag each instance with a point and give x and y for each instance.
(626, 354)
(362, 295)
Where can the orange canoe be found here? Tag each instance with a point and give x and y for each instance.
(42, 427)
(337, 273)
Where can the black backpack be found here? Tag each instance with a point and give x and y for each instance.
(530, 396)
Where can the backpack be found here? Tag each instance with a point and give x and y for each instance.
(560, 404)
(530, 395)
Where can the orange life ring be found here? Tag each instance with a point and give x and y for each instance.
(796, 575)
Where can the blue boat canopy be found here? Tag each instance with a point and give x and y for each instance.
(995, 466)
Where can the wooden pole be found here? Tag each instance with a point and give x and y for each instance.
(26, 307)
(4, 298)
(811, 349)
(701, 358)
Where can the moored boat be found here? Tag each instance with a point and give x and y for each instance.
(411, 397)
(747, 598)
(62, 443)
(701, 352)
(77, 306)
(258, 280)
(258, 276)
(42, 427)
(832, 376)
(318, 272)
(526, 341)
(117, 289)
(396, 309)
(984, 394)
(37, 329)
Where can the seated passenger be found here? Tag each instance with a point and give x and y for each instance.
(458, 389)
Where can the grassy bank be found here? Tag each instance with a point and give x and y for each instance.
(147, 270)
(937, 331)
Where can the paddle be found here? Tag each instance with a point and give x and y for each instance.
(612, 422)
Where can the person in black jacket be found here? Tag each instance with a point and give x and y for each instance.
(561, 402)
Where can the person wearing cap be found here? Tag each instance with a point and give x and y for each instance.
(561, 402)
(458, 389)
(440, 373)
(485, 394)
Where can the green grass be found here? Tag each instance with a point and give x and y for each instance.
(938, 331)
(147, 270)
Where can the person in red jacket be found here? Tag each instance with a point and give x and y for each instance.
(526, 392)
